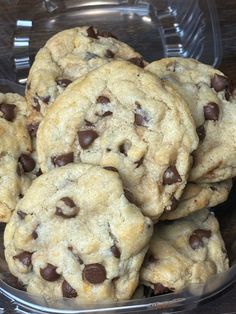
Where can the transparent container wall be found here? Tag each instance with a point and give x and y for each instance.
(155, 28)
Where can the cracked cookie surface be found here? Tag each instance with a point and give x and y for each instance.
(121, 117)
(198, 196)
(186, 251)
(208, 93)
(67, 56)
(75, 234)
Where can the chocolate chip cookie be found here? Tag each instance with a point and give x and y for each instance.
(122, 118)
(75, 235)
(196, 197)
(16, 162)
(69, 55)
(187, 251)
(208, 94)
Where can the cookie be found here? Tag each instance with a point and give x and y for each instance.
(122, 118)
(198, 196)
(208, 94)
(16, 162)
(75, 234)
(67, 56)
(187, 251)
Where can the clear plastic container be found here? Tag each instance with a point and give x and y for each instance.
(155, 28)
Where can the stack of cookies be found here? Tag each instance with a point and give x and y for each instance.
(108, 168)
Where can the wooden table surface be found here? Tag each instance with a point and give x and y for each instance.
(226, 302)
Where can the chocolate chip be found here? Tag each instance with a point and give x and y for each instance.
(106, 34)
(173, 205)
(110, 168)
(129, 197)
(139, 162)
(32, 129)
(24, 258)
(171, 176)
(63, 159)
(88, 123)
(211, 111)
(137, 61)
(86, 138)
(94, 273)
(68, 291)
(213, 188)
(201, 132)
(219, 82)
(91, 32)
(21, 195)
(115, 251)
(138, 119)
(8, 111)
(70, 203)
(109, 54)
(34, 235)
(108, 150)
(46, 99)
(202, 233)
(195, 242)
(107, 113)
(49, 273)
(21, 214)
(36, 104)
(103, 100)
(160, 289)
(14, 282)
(27, 162)
(63, 82)
(39, 173)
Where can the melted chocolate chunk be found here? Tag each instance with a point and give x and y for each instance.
(24, 258)
(8, 111)
(171, 176)
(219, 82)
(35, 235)
(94, 273)
(63, 82)
(70, 203)
(211, 111)
(106, 34)
(160, 289)
(195, 242)
(107, 113)
(63, 159)
(91, 32)
(49, 273)
(201, 132)
(173, 205)
(137, 61)
(87, 137)
(68, 291)
(103, 100)
(139, 119)
(32, 129)
(27, 162)
(115, 251)
(109, 54)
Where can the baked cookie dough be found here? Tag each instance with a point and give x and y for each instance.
(67, 56)
(186, 251)
(122, 117)
(16, 162)
(198, 196)
(75, 235)
(208, 94)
